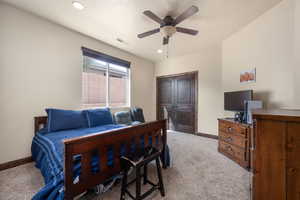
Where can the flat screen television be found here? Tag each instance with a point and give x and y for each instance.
(235, 101)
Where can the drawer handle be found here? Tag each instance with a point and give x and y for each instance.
(290, 146)
(229, 148)
(230, 129)
(229, 139)
(292, 170)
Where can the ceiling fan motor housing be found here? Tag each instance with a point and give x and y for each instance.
(168, 21)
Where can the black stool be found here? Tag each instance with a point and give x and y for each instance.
(141, 158)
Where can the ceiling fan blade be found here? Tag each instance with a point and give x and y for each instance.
(166, 40)
(154, 17)
(142, 35)
(186, 14)
(187, 31)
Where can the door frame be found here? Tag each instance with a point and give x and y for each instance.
(195, 74)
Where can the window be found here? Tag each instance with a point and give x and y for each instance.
(105, 80)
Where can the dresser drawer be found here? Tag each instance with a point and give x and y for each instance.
(293, 145)
(234, 152)
(293, 152)
(293, 183)
(233, 138)
(233, 128)
(234, 141)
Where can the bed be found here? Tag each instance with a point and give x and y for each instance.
(73, 161)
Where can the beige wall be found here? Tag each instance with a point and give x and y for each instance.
(266, 44)
(40, 66)
(208, 64)
(297, 52)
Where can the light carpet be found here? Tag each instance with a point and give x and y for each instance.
(198, 171)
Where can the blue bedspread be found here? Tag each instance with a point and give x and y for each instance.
(47, 152)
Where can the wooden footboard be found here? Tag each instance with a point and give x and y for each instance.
(99, 145)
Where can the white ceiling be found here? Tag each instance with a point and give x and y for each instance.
(107, 20)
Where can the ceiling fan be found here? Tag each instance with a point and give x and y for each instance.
(168, 25)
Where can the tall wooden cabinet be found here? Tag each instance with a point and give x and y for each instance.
(275, 154)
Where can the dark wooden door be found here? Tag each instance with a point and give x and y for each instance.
(165, 100)
(177, 101)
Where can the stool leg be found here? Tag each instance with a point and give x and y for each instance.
(163, 160)
(145, 174)
(123, 187)
(138, 184)
(160, 179)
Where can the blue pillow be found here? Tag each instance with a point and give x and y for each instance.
(98, 117)
(65, 119)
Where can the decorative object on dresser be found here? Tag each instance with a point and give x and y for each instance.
(275, 155)
(234, 141)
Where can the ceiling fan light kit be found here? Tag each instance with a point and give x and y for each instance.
(168, 31)
(168, 25)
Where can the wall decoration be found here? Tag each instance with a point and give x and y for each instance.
(248, 76)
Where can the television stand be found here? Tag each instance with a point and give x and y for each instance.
(234, 141)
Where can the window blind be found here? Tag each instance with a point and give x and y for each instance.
(104, 57)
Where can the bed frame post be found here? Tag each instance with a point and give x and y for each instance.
(39, 122)
(68, 171)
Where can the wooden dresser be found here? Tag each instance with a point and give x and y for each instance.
(234, 141)
(275, 155)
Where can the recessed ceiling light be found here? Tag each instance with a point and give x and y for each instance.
(78, 5)
(159, 51)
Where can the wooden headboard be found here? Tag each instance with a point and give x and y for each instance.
(39, 122)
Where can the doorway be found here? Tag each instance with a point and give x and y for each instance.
(177, 101)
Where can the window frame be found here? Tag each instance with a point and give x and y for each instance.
(107, 97)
